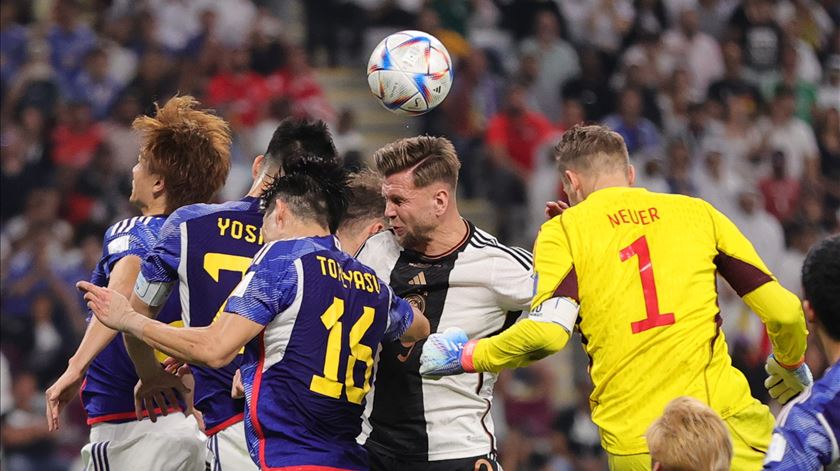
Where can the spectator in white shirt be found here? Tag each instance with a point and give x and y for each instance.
(791, 135)
(699, 51)
(557, 61)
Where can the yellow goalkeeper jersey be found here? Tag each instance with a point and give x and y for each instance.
(642, 266)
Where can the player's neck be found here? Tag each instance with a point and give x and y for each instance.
(154, 208)
(831, 348)
(446, 236)
(301, 229)
(606, 181)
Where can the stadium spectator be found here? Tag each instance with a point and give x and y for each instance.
(75, 140)
(640, 134)
(557, 63)
(94, 84)
(699, 51)
(26, 440)
(714, 183)
(828, 95)
(12, 44)
(689, 435)
(513, 136)
(733, 81)
(760, 37)
(780, 191)
(785, 132)
(739, 140)
(238, 91)
(69, 42)
(591, 86)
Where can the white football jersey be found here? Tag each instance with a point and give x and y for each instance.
(480, 286)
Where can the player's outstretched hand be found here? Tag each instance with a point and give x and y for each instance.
(157, 394)
(64, 390)
(555, 208)
(442, 353)
(109, 306)
(784, 384)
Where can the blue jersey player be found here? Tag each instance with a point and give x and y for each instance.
(160, 183)
(311, 319)
(205, 250)
(808, 428)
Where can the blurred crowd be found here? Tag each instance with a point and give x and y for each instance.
(737, 102)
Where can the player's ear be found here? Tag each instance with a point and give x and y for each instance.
(256, 166)
(810, 315)
(159, 186)
(375, 227)
(657, 466)
(441, 200)
(631, 174)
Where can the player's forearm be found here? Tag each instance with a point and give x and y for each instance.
(96, 338)
(193, 345)
(781, 312)
(418, 330)
(524, 343)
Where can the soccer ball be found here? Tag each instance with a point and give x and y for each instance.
(410, 72)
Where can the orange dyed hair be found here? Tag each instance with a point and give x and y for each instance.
(189, 148)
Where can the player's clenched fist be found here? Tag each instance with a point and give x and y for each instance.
(447, 353)
(110, 307)
(783, 383)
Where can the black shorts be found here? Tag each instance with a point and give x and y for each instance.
(386, 462)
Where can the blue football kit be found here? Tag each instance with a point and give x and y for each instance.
(307, 373)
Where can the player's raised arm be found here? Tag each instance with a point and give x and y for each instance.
(548, 327)
(779, 309)
(214, 345)
(96, 338)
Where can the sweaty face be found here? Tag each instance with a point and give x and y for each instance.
(142, 183)
(410, 210)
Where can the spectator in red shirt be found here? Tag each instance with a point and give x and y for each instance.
(780, 190)
(236, 91)
(76, 140)
(298, 82)
(513, 137)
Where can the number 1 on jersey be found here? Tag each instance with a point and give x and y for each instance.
(654, 318)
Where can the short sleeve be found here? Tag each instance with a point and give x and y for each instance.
(513, 279)
(128, 237)
(400, 316)
(554, 270)
(268, 288)
(802, 443)
(161, 264)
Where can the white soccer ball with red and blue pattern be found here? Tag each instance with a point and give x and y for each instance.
(410, 72)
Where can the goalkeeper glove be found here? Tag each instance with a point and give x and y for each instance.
(447, 353)
(785, 383)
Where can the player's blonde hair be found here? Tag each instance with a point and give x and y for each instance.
(189, 148)
(431, 159)
(689, 436)
(591, 148)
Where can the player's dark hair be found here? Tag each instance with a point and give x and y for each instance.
(314, 188)
(820, 279)
(366, 200)
(295, 137)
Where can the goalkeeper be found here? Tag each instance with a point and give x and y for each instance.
(634, 271)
